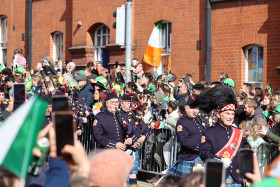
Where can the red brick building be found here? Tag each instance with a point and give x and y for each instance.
(245, 34)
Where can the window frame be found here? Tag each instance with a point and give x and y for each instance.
(167, 37)
(98, 48)
(55, 36)
(3, 45)
(246, 52)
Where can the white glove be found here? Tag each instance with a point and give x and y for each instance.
(226, 162)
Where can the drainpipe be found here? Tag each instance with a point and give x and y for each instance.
(208, 47)
(29, 32)
(128, 40)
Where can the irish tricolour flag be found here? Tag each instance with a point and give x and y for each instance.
(18, 136)
(153, 51)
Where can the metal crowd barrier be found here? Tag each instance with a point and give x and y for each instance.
(87, 138)
(160, 150)
(266, 153)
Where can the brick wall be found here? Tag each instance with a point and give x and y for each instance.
(235, 25)
(15, 10)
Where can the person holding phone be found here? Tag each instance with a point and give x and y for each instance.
(222, 141)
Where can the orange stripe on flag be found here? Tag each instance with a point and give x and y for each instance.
(151, 55)
(269, 168)
(169, 63)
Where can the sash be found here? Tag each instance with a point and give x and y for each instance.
(232, 146)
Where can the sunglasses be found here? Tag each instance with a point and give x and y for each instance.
(72, 87)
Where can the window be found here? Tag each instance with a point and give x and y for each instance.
(57, 46)
(254, 64)
(166, 42)
(101, 39)
(3, 39)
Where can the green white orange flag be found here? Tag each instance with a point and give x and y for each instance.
(153, 51)
(18, 135)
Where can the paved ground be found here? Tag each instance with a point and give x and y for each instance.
(144, 184)
(143, 179)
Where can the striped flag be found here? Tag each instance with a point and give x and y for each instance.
(18, 135)
(273, 170)
(153, 50)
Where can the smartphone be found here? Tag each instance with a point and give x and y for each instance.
(60, 103)
(19, 94)
(245, 162)
(215, 173)
(64, 130)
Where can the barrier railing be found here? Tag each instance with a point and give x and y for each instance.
(160, 150)
(266, 153)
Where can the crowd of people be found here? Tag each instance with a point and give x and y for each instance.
(209, 120)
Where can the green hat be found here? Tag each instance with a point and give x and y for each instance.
(277, 109)
(101, 81)
(81, 72)
(152, 89)
(19, 69)
(229, 82)
(72, 81)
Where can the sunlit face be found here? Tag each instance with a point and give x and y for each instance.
(139, 68)
(275, 99)
(191, 112)
(49, 110)
(226, 117)
(59, 74)
(34, 82)
(112, 105)
(243, 89)
(73, 87)
(81, 83)
(266, 101)
(143, 80)
(239, 102)
(248, 110)
(96, 95)
(125, 106)
(2, 96)
(196, 92)
(154, 100)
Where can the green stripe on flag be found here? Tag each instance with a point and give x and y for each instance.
(19, 155)
(159, 26)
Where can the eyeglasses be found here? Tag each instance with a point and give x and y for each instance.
(115, 102)
(72, 87)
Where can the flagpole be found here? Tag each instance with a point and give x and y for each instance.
(128, 40)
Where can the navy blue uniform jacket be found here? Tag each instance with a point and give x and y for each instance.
(189, 134)
(107, 129)
(215, 139)
(85, 93)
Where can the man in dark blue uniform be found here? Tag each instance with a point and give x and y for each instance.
(130, 124)
(107, 127)
(222, 141)
(189, 130)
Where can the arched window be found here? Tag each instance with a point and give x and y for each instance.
(254, 64)
(101, 39)
(3, 38)
(57, 46)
